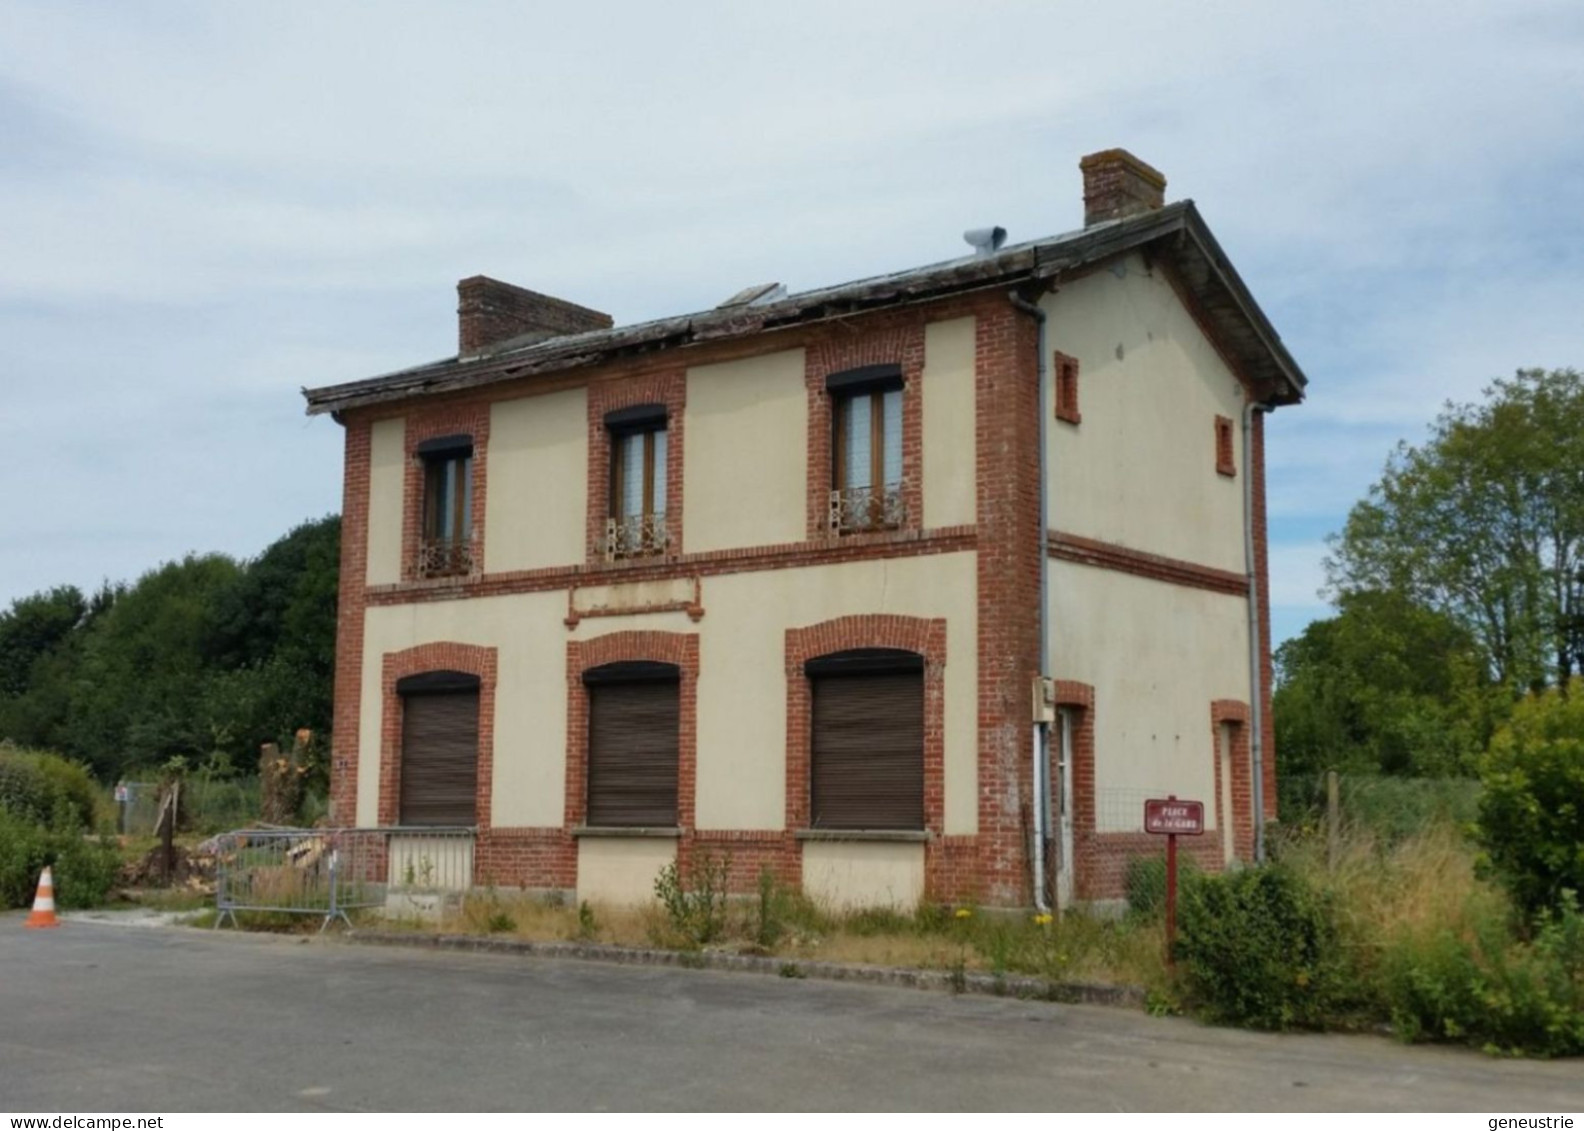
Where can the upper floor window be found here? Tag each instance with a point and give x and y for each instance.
(866, 472)
(446, 546)
(637, 523)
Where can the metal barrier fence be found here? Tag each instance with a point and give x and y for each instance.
(330, 872)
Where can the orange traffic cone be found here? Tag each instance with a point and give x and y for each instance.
(43, 914)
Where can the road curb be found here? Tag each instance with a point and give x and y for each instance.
(969, 981)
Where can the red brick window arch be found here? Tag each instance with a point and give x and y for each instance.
(643, 653)
(635, 458)
(398, 672)
(868, 484)
(817, 651)
(445, 492)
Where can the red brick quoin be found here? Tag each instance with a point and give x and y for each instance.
(925, 637)
(1011, 539)
(350, 608)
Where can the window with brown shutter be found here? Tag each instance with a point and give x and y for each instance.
(634, 718)
(867, 757)
(439, 751)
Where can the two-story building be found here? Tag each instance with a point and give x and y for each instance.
(910, 587)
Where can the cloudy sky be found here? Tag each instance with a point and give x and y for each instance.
(205, 206)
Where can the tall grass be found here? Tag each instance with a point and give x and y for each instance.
(1430, 946)
(1389, 808)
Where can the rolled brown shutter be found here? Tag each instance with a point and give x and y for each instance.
(439, 758)
(633, 751)
(868, 750)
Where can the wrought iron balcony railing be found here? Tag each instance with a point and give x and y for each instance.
(635, 536)
(857, 509)
(443, 557)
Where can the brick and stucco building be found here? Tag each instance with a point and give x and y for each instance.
(766, 580)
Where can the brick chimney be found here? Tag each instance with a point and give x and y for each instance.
(490, 312)
(1118, 185)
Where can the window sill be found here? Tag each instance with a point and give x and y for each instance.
(874, 536)
(659, 833)
(897, 836)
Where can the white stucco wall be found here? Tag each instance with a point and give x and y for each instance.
(743, 479)
(1140, 469)
(387, 445)
(529, 785)
(843, 875)
(538, 472)
(742, 676)
(949, 431)
(621, 871)
(1157, 655)
(742, 681)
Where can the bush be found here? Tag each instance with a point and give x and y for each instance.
(770, 911)
(1488, 991)
(25, 793)
(84, 868)
(34, 783)
(695, 900)
(1531, 815)
(1260, 947)
(23, 854)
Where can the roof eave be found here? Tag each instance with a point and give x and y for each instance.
(1178, 227)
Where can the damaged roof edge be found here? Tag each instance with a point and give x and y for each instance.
(1210, 247)
(1044, 259)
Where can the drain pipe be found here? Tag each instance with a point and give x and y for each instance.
(1041, 730)
(1256, 690)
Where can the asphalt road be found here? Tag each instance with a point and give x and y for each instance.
(114, 1018)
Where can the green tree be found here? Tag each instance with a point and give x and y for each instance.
(198, 658)
(275, 641)
(1385, 685)
(40, 648)
(140, 690)
(33, 628)
(1484, 522)
(1531, 817)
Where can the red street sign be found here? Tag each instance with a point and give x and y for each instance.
(1173, 817)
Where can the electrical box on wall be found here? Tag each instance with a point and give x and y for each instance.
(1044, 700)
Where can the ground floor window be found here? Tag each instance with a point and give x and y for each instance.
(633, 744)
(439, 750)
(867, 738)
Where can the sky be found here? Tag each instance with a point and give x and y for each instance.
(206, 206)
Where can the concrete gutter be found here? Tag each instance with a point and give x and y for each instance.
(972, 981)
